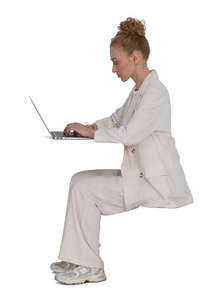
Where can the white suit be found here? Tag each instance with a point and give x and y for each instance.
(150, 153)
(151, 174)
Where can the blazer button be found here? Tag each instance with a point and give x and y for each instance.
(133, 150)
(141, 174)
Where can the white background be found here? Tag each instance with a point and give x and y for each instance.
(58, 53)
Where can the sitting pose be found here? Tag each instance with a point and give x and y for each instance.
(150, 175)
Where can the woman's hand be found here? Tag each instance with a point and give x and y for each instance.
(83, 130)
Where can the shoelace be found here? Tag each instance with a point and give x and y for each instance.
(81, 270)
(70, 268)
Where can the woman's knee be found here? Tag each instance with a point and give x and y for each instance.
(78, 176)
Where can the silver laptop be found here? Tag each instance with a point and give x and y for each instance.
(59, 135)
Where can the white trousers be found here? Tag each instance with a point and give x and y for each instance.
(92, 193)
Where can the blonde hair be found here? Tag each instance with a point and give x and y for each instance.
(131, 36)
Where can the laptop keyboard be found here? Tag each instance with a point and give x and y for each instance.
(60, 134)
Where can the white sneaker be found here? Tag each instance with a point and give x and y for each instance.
(62, 266)
(81, 274)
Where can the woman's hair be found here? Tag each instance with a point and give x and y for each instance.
(131, 36)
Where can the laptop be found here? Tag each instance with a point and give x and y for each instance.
(59, 135)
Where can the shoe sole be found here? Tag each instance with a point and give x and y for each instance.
(89, 279)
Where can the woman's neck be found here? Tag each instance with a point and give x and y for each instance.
(140, 78)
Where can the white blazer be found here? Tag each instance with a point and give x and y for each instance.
(150, 152)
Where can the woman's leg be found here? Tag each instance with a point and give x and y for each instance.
(92, 193)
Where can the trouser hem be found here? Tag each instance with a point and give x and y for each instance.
(80, 262)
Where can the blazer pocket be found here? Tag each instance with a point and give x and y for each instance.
(154, 170)
(160, 185)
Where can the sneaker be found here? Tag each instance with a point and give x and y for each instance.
(81, 274)
(62, 266)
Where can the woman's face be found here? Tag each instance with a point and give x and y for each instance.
(123, 65)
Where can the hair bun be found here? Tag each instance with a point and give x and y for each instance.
(132, 26)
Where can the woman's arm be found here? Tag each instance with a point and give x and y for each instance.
(144, 121)
(112, 121)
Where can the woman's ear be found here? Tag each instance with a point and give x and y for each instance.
(136, 56)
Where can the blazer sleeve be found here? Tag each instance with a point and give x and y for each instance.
(144, 121)
(112, 121)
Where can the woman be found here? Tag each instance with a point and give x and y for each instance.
(151, 174)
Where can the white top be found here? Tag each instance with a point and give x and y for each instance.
(130, 108)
